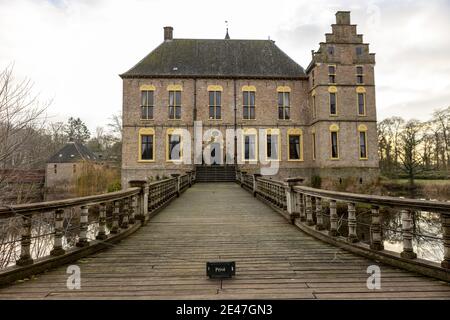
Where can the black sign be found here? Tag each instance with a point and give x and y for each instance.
(220, 270)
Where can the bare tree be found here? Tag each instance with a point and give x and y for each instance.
(22, 116)
(408, 150)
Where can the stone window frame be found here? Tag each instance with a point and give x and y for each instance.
(147, 132)
(334, 128)
(333, 90)
(272, 131)
(215, 89)
(361, 90)
(249, 132)
(363, 129)
(170, 132)
(313, 104)
(313, 144)
(175, 88)
(359, 74)
(249, 89)
(284, 90)
(147, 88)
(294, 132)
(331, 74)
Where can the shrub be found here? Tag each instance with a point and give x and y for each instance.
(316, 182)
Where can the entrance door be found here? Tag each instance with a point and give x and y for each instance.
(216, 154)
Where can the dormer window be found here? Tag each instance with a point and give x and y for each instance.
(359, 51)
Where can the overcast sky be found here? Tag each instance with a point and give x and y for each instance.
(73, 50)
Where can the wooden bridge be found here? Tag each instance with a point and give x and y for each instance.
(285, 239)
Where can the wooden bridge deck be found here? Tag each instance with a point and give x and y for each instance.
(166, 259)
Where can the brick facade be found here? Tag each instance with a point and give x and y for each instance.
(339, 50)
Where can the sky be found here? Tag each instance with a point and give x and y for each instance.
(74, 50)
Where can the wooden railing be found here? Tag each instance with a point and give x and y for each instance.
(315, 211)
(36, 236)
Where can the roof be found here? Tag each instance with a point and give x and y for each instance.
(223, 58)
(72, 152)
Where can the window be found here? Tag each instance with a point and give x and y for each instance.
(332, 74)
(359, 75)
(283, 105)
(334, 141)
(333, 109)
(174, 147)
(74, 168)
(330, 50)
(147, 104)
(313, 78)
(295, 145)
(272, 146)
(175, 104)
(248, 104)
(249, 146)
(215, 105)
(359, 51)
(362, 131)
(147, 147)
(314, 111)
(146, 144)
(314, 146)
(361, 104)
(55, 168)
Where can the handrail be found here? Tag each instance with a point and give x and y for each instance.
(304, 207)
(48, 223)
(386, 201)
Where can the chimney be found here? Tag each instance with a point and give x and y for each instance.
(168, 33)
(343, 17)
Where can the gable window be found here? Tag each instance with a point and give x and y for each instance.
(334, 141)
(250, 147)
(55, 168)
(295, 145)
(284, 103)
(362, 131)
(359, 51)
(330, 50)
(146, 144)
(332, 74)
(248, 103)
(174, 147)
(215, 102)
(359, 75)
(147, 104)
(313, 78)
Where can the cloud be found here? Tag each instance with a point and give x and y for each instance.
(74, 50)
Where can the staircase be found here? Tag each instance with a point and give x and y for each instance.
(215, 173)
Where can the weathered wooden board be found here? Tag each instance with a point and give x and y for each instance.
(166, 259)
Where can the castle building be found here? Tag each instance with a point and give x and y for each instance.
(247, 104)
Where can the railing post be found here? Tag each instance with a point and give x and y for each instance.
(126, 212)
(102, 222)
(309, 216)
(133, 207)
(407, 226)
(255, 187)
(242, 178)
(25, 243)
(302, 207)
(82, 238)
(116, 212)
(189, 178)
(57, 239)
(291, 197)
(352, 236)
(144, 207)
(376, 242)
(333, 219)
(319, 214)
(446, 237)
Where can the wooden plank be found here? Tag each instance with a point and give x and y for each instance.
(166, 259)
